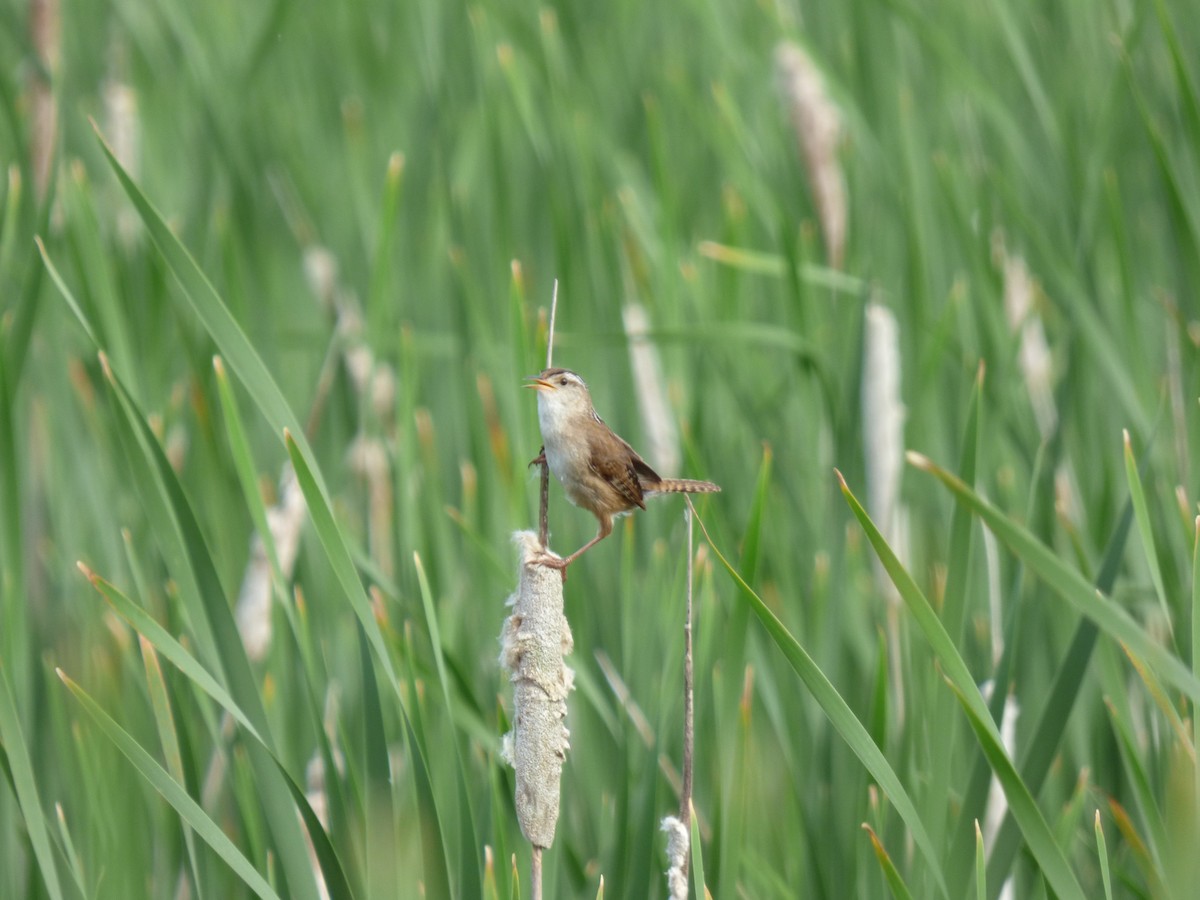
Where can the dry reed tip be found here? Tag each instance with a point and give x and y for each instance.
(919, 461)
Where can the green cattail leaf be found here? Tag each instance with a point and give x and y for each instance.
(891, 875)
(843, 719)
(19, 768)
(174, 793)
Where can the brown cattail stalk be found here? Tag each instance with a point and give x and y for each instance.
(678, 829)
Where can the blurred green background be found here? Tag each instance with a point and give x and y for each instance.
(382, 196)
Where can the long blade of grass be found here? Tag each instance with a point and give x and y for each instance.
(437, 872)
(157, 637)
(171, 791)
(1134, 762)
(469, 868)
(953, 615)
(176, 526)
(1102, 856)
(1141, 514)
(212, 312)
(380, 813)
(843, 719)
(1137, 849)
(980, 865)
(1033, 825)
(891, 874)
(753, 532)
(24, 781)
(1196, 639)
(760, 263)
(243, 463)
(14, 608)
(1038, 835)
(338, 553)
(379, 294)
(1068, 583)
(162, 641)
(697, 856)
(67, 842)
(959, 556)
(1046, 736)
(168, 739)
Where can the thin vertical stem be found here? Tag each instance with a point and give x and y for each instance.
(550, 334)
(543, 515)
(685, 799)
(535, 875)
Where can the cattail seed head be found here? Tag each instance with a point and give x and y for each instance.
(817, 124)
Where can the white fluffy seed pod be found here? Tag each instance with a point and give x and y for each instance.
(678, 845)
(1033, 355)
(285, 521)
(817, 124)
(658, 424)
(533, 642)
(883, 426)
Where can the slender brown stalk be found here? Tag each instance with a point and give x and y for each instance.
(543, 514)
(689, 730)
(678, 828)
(535, 875)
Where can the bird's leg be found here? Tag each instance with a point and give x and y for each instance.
(539, 460)
(561, 564)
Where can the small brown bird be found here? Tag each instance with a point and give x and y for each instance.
(599, 471)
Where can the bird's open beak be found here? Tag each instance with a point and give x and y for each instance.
(539, 384)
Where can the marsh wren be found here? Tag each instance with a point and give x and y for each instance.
(598, 471)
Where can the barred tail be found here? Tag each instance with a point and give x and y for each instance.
(680, 486)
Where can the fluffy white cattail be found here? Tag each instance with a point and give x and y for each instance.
(373, 380)
(883, 440)
(817, 123)
(883, 426)
(678, 844)
(284, 520)
(533, 642)
(658, 424)
(321, 273)
(123, 128)
(45, 33)
(122, 125)
(1033, 355)
(368, 459)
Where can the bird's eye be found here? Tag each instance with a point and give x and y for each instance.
(563, 382)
